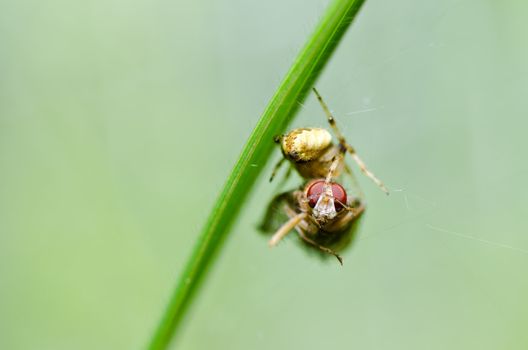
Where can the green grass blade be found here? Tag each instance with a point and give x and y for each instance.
(257, 150)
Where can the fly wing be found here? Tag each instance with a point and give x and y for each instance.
(275, 215)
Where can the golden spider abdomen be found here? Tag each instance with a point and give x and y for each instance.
(305, 144)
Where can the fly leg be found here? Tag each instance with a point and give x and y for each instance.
(320, 247)
(286, 228)
(300, 230)
(355, 182)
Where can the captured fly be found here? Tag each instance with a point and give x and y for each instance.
(321, 212)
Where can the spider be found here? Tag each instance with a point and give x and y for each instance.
(321, 212)
(311, 151)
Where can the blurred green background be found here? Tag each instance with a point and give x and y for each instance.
(120, 120)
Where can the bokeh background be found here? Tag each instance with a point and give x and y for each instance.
(120, 120)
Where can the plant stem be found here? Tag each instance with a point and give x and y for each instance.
(276, 117)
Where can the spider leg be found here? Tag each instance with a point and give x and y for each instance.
(347, 147)
(276, 168)
(354, 182)
(363, 167)
(333, 167)
(286, 176)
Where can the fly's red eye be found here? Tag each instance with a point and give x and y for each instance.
(316, 188)
(314, 192)
(340, 196)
